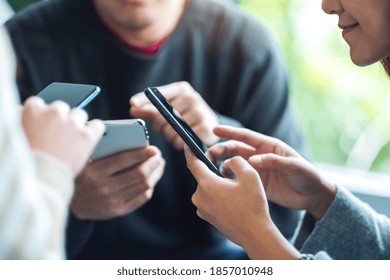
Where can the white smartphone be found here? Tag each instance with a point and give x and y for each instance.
(76, 95)
(120, 136)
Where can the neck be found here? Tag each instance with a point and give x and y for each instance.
(148, 32)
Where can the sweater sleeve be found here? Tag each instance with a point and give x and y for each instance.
(34, 189)
(350, 229)
(34, 196)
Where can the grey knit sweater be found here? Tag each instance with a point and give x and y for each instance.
(350, 229)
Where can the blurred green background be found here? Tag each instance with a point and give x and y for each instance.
(19, 4)
(342, 108)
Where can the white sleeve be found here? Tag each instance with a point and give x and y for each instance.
(34, 189)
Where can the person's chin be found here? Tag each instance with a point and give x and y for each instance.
(362, 60)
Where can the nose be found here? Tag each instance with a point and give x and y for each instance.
(332, 7)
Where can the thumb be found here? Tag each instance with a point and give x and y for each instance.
(196, 166)
(240, 167)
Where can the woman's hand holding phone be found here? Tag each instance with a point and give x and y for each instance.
(238, 207)
(289, 179)
(60, 131)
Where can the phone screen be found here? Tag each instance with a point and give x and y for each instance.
(75, 95)
(180, 126)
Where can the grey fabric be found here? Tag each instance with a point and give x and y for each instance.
(321, 256)
(228, 57)
(350, 229)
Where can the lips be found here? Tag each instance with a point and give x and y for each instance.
(131, 2)
(348, 27)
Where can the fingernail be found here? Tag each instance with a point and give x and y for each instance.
(135, 101)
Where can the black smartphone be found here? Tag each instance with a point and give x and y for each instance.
(180, 126)
(75, 95)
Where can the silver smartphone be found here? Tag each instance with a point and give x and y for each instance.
(75, 95)
(120, 136)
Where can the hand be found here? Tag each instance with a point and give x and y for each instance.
(61, 132)
(225, 203)
(117, 185)
(238, 208)
(289, 179)
(188, 103)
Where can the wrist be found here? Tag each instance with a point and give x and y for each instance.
(267, 243)
(323, 200)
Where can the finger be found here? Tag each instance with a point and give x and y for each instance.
(156, 173)
(270, 162)
(263, 143)
(192, 118)
(32, 106)
(178, 143)
(202, 125)
(173, 90)
(60, 107)
(34, 102)
(119, 162)
(240, 167)
(241, 134)
(80, 116)
(96, 128)
(142, 186)
(172, 136)
(169, 91)
(186, 102)
(231, 148)
(133, 204)
(140, 200)
(226, 173)
(138, 175)
(169, 133)
(198, 169)
(130, 190)
(139, 100)
(147, 111)
(158, 122)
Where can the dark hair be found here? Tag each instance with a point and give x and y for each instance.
(386, 64)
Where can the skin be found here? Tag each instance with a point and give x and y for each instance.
(369, 40)
(62, 126)
(286, 178)
(188, 103)
(120, 184)
(117, 185)
(265, 167)
(249, 226)
(141, 22)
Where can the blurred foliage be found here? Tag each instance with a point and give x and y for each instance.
(342, 108)
(20, 4)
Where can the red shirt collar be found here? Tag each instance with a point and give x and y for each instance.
(152, 49)
(148, 50)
